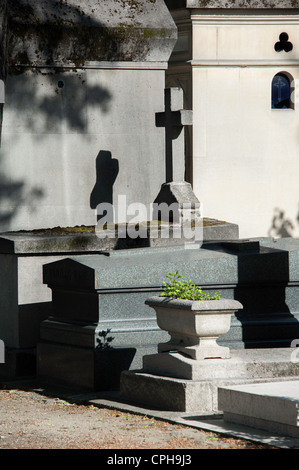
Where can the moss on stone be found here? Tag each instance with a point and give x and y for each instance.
(53, 43)
(61, 230)
(65, 33)
(86, 229)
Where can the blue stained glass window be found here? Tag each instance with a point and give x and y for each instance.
(281, 92)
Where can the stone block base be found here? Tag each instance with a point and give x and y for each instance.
(170, 392)
(242, 364)
(165, 393)
(268, 406)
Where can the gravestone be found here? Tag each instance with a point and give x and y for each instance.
(108, 291)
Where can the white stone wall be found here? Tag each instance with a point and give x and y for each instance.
(245, 154)
(52, 137)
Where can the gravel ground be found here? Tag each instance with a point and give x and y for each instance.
(30, 420)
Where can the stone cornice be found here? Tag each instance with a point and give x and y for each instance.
(72, 31)
(103, 65)
(244, 63)
(199, 17)
(233, 4)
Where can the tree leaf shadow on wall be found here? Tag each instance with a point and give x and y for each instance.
(60, 113)
(281, 225)
(47, 34)
(62, 109)
(56, 107)
(13, 195)
(61, 37)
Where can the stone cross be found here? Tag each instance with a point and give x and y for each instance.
(175, 191)
(174, 118)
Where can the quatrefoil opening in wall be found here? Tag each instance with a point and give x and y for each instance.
(283, 44)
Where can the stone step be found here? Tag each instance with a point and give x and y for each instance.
(270, 406)
(173, 382)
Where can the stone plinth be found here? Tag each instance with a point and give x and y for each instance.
(163, 234)
(269, 406)
(25, 300)
(108, 291)
(172, 382)
(179, 196)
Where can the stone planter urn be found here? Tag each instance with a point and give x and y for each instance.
(194, 326)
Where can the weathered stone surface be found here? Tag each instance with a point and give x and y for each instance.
(50, 32)
(164, 393)
(245, 364)
(20, 243)
(177, 192)
(163, 383)
(66, 112)
(269, 406)
(219, 230)
(194, 326)
(180, 197)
